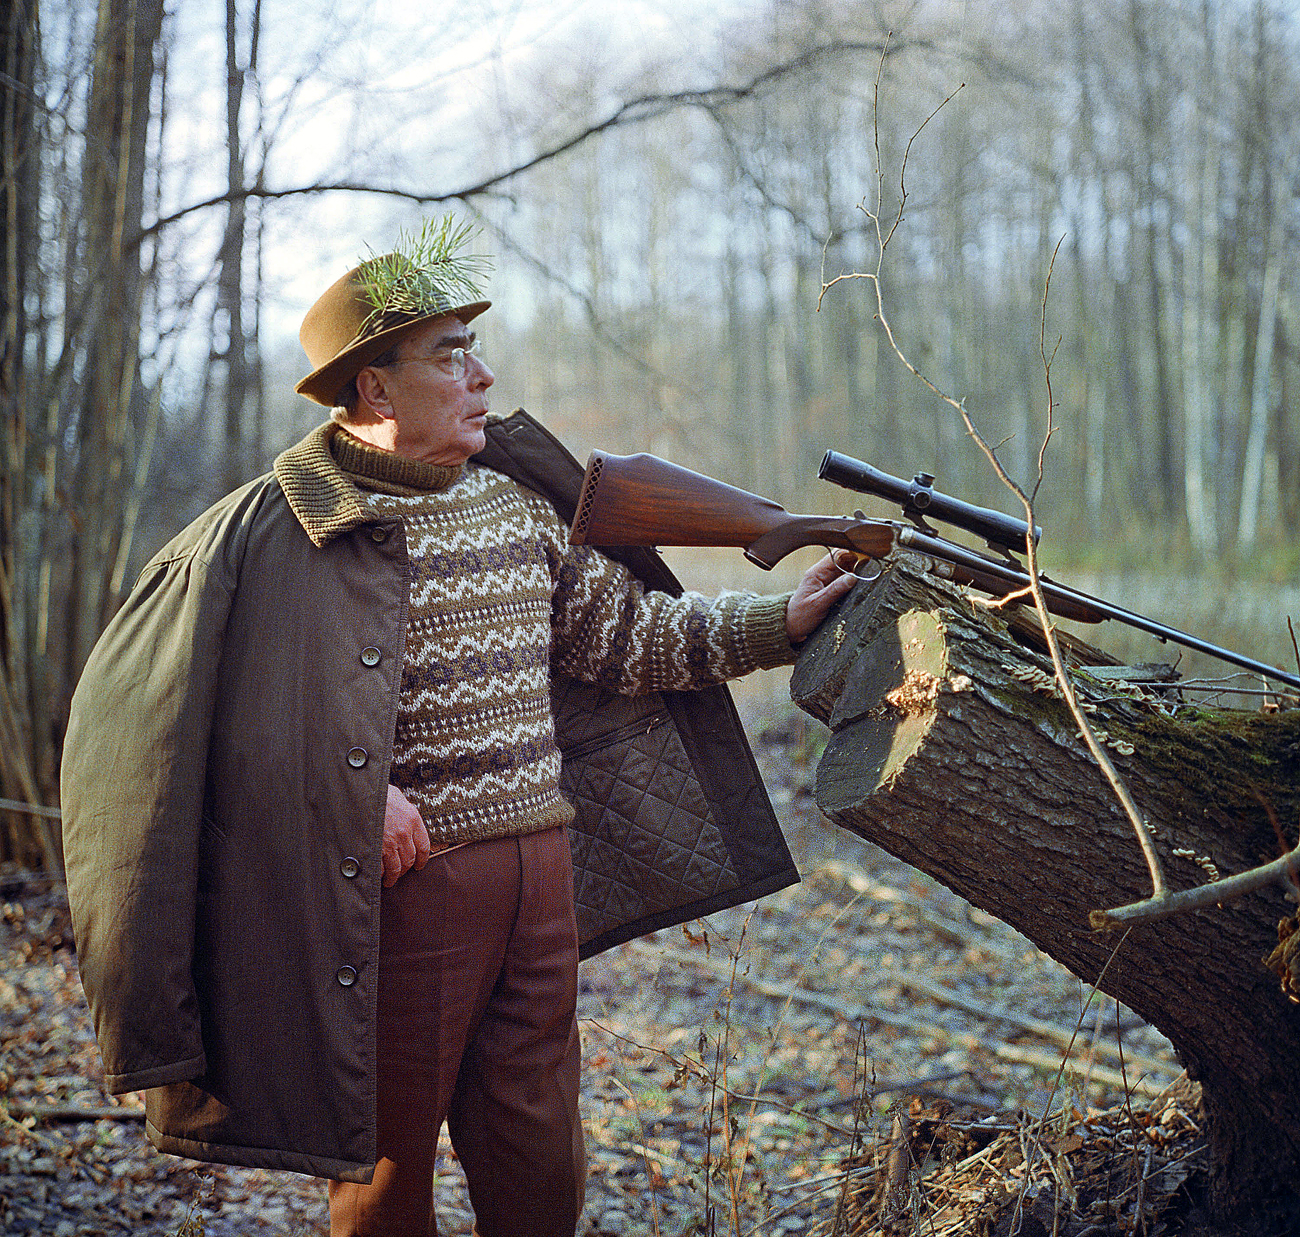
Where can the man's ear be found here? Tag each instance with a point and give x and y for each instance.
(373, 393)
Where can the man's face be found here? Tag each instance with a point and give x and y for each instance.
(440, 417)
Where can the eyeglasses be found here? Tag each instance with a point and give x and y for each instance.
(450, 360)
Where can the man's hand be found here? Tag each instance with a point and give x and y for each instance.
(823, 584)
(406, 840)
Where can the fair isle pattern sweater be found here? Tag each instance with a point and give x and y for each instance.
(499, 599)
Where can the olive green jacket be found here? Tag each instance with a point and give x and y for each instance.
(224, 781)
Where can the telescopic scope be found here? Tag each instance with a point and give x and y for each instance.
(920, 501)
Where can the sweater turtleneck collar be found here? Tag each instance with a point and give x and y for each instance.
(385, 472)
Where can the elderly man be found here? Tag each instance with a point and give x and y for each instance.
(317, 818)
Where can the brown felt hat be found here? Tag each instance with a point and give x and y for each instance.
(342, 333)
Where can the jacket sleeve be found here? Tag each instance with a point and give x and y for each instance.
(132, 795)
(610, 631)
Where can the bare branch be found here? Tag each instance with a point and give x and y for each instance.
(1164, 904)
(883, 239)
(1099, 753)
(634, 111)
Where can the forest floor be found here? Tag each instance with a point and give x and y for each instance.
(863, 1053)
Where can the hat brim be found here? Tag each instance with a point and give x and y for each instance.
(324, 383)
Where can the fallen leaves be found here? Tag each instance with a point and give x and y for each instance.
(753, 1065)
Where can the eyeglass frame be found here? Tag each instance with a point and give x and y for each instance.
(456, 357)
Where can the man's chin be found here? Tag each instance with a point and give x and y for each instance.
(474, 439)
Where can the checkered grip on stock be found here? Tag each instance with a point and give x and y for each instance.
(582, 517)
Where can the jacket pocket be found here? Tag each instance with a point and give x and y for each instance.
(646, 847)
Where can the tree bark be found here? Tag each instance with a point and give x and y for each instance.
(1252, 473)
(229, 342)
(1149, 174)
(951, 751)
(25, 743)
(109, 399)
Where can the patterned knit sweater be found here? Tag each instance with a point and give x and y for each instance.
(499, 599)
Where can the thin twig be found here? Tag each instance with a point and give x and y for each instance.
(1160, 1168)
(1159, 892)
(43, 1140)
(630, 112)
(74, 1112)
(1099, 753)
(1128, 1101)
(30, 809)
(728, 1136)
(1139, 1219)
(842, 1194)
(690, 1065)
(1051, 1033)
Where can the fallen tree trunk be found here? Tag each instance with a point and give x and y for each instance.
(951, 750)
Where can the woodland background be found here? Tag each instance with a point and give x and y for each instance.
(665, 188)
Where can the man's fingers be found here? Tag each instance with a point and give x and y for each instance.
(841, 583)
(814, 597)
(828, 571)
(423, 845)
(406, 840)
(825, 574)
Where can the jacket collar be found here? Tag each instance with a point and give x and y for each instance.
(322, 496)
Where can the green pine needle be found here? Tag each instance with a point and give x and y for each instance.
(425, 273)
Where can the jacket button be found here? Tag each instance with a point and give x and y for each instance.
(378, 534)
(347, 976)
(357, 756)
(370, 656)
(350, 867)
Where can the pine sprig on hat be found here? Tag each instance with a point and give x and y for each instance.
(425, 273)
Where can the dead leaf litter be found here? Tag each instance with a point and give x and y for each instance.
(865, 1053)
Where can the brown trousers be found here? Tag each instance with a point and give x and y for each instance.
(477, 1025)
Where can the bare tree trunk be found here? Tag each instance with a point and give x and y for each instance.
(109, 403)
(1287, 433)
(1154, 146)
(1090, 283)
(25, 744)
(229, 344)
(1269, 182)
(769, 351)
(951, 751)
(1201, 314)
(743, 438)
(1252, 473)
(256, 449)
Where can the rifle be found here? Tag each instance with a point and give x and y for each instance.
(641, 500)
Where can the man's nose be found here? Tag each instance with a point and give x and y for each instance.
(479, 374)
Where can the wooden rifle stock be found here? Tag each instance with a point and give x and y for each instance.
(629, 500)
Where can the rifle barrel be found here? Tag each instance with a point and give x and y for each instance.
(940, 548)
(1163, 632)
